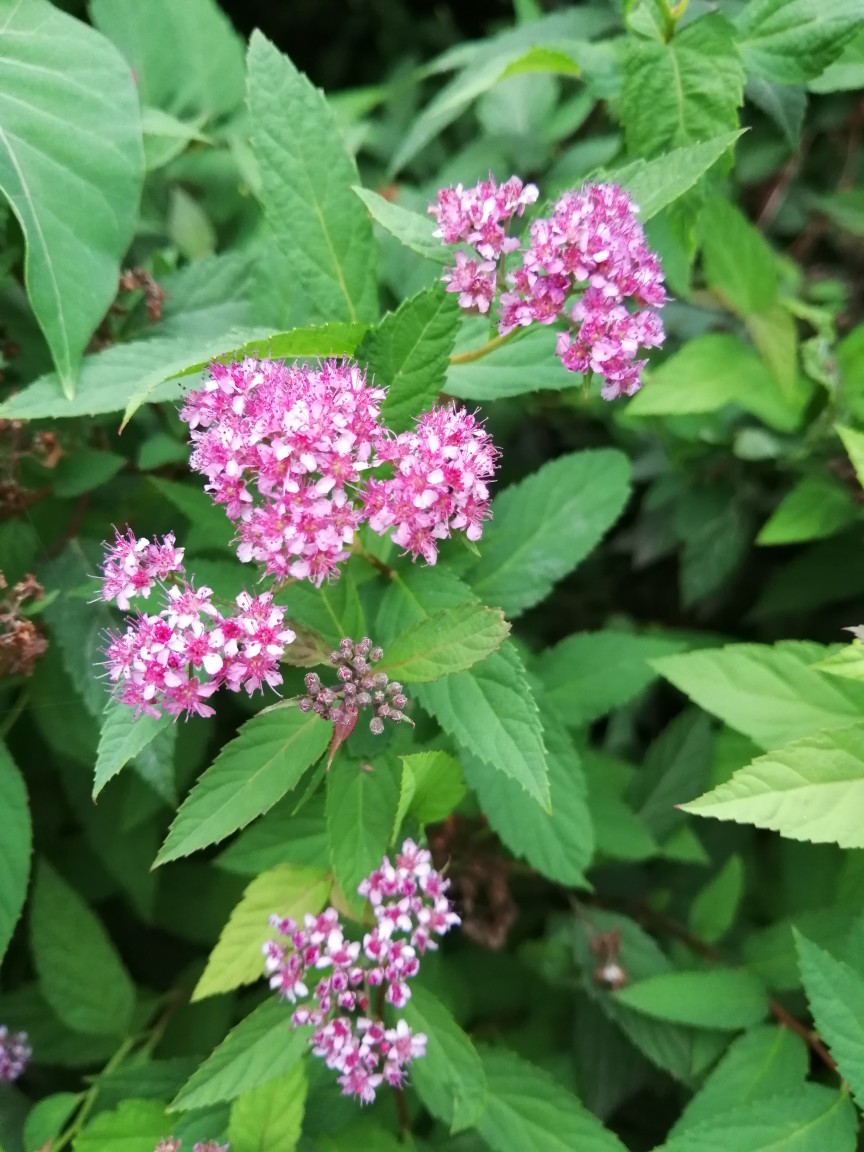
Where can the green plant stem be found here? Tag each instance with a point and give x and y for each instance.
(672, 13)
(89, 1101)
(377, 564)
(483, 350)
(14, 713)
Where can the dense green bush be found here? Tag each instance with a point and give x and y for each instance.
(633, 735)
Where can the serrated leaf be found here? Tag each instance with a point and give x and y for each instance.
(317, 340)
(270, 1116)
(738, 261)
(815, 508)
(283, 836)
(121, 739)
(410, 228)
(361, 814)
(264, 761)
(15, 847)
(529, 1111)
(287, 890)
(71, 167)
(80, 974)
(812, 789)
(654, 184)
(446, 642)
(773, 694)
(543, 526)
(727, 999)
(306, 179)
(260, 1048)
(791, 41)
(135, 1126)
(848, 662)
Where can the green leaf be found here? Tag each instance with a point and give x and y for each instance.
(432, 786)
(409, 353)
(815, 508)
(122, 738)
(714, 909)
(525, 364)
(812, 789)
(450, 1081)
(846, 72)
(71, 167)
(591, 673)
(835, 993)
(848, 662)
(253, 771)
(618, 831)
(362, 802)
(317, 340)
(86, 470)
(654, 184)
(80, 973)
(47, 1118)
(738, 261)
(334, 610)
(306, 179)
(775, 338)
(724, 998)
(786, 104)
(446, 642)
(270, 1117)
(684, 91)
(545, 525)
(287, 890)
(529, 1110)
(410, 228)
(261, 1048)
(15, 847)
(771, 694)
(853, 442)
(135, 1126)
(283, 836)
(765, 1062)
(187, 58)
(792, 41)
(676, 768)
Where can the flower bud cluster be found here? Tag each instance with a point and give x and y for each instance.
(410, 905)
(588, 264)
(15, 1053)
(172, 1145)
(288, 449)
(359, 687)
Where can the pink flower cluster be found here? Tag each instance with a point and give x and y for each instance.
(409, 901)
(175, 660)
(172, 1145)
(15, 1053)
(133, 565)
(588, 264)
(287, 450)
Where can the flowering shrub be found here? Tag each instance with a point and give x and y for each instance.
(431, 680)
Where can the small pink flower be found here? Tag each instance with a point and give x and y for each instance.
(133, 565)
(15, 1053)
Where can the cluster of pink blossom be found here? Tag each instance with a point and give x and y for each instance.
(133, 565)
(593, 247)
(174, 661)
(287, 450)
(479, 217)
(409, 900)
(15, 1053)
(172, 1145)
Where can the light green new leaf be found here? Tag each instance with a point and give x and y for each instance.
(654, 184)
(714, 909)
(80, 974)
(121, 739)
(135, 1126)
(835, 993)
(791, 41)
(684, 91)
(815, 508)
(738, 260)
(15, 847)
(410, 228)
(723, 998)
(853, 442)
(450, 1080)
(271, 1116)
(287, 890)
(362, 802)
(446, 642)
(432, 786)
(71, 166)
(848, 662)
(529, 1111)
(261, 1048)
(812, 789)
(775, 338)
(254, 770)
(773, 694)
(306, 179)
(544, 526)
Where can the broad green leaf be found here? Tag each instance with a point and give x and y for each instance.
(71, 167)
(526, 364)
(737, 259)
(811, 1119)
(835, 993)
(410, 228)
(122, 738)
(792, 41)
(675, 768)
(187, 58)
(450, 1080)
(318, 340)
(287, 890)
(712, 371)
(764, 1062)
(559, 844)
(306, 179)
(724, 998)
(654, 184)
(853, 442)
(80, 973)
(846, 72)
(253, 771)
(771, 694)
(86, 470)
(362, 802)
(545, 525)
(618, 831)
(409, 353)
(47, 1118)
(816, 507)
(270, 1117)
(15, 847)
(684, 91)
(812, 789)
(444, 643)
(436, 787)
(786, 104)
(529, 1111)
(259, 1049)
(714, 909)
(775, 338)
(334, 609)
(283, 836)
(136, 1126)
(591, 673)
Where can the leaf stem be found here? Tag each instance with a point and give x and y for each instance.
(483, 350)
(377, 564)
